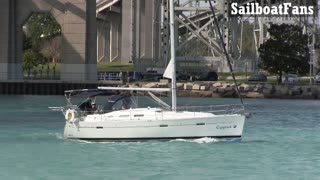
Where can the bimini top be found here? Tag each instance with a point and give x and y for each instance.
(86, 93)
(117, 102)
(121, 101)
(106, 91)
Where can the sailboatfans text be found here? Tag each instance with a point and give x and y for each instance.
(282, 9)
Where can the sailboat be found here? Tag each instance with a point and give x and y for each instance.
(120, 120)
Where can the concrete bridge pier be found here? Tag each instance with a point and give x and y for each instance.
(9, 67)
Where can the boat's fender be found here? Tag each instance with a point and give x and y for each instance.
(247, 114)
(70, 115)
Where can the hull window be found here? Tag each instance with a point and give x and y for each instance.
(138, 115)
(201, 124)
(163, 125)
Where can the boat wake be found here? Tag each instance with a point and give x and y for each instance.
(207, 140)
(204, 140)
(90, 142)
(57, 135)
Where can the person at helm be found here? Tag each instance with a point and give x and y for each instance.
(93, 108)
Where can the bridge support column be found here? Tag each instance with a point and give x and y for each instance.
(79, 42)
(9, 67)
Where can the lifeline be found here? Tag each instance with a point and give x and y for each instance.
(282, 9)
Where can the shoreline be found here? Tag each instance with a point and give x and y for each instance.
(227, 90)
(187, 89)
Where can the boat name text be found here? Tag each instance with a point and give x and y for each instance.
(223, 127)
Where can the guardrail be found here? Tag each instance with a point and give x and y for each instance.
(104, 76)
(215, 109)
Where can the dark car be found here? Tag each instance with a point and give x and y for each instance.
(210, 76)
(182, 76)
(151, 75)
(258, 78)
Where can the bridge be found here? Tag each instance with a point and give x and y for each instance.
(142, 35)
(130, 31)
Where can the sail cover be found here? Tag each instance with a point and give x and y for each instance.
(168, 73)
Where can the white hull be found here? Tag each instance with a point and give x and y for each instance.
(184, 125)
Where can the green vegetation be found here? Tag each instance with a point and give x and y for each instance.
(31, 58)
(286, 51)
(40, 42)
(40, 27)
(114, 67)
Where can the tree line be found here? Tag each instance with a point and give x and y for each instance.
(288, 50)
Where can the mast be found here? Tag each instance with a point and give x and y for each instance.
(173, 56)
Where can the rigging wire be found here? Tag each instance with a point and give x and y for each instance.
(225, 51)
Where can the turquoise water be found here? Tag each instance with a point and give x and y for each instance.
(280, 141)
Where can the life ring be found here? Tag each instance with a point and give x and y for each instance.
(70, 115)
